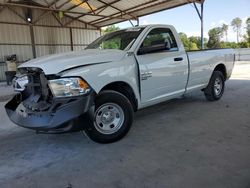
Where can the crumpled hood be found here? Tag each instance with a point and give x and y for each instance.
(53, 64)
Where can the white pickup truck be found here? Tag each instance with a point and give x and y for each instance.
(101, 87)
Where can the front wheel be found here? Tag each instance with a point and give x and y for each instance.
(216, 86)
(112, 118)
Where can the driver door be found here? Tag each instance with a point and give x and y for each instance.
(163, 68)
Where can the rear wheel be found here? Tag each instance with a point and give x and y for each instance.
(216, 86)
(112, 118)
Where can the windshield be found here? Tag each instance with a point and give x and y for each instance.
(121, 40)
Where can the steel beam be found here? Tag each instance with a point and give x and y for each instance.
(132, 10)
(33, 45)
(53, 26)
(71, 39)
(201, 16)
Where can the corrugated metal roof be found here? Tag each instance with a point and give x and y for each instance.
(98, 13)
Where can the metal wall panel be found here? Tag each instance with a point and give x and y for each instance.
(51, 35)
(56, 40)
(83, 37)
(78, 48)
(48, 19)
(14, 34)
(3, 68)
(10, 37)
(46, 50)
(23, 53)
(78, 24)
(9, 16)
(49, 39)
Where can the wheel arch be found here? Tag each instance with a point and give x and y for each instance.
(125, 89)
(222, 68)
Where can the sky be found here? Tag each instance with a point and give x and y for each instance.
(185, 18)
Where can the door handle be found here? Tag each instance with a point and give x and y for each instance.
(178, 59)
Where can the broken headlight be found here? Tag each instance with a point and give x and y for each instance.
(19, 82)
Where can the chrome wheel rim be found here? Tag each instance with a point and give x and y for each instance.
(108, 118)
(218, 86)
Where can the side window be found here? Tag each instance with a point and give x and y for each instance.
(158, 40)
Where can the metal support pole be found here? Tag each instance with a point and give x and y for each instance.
(138, 22)
(202, 27)
(200, 14)
(33, 45)
(131, 23)
(71, 39)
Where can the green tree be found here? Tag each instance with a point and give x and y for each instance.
(229, 45)
(193, 46)
(197, 41)
(215, 35)
(205, 42)
(237, 24)
(248, 30)
(225, 30)
(194, 40)
(244, 44)
(191, 43)
(184, 40)
(113, 43)
(233, 45)
(110, 29)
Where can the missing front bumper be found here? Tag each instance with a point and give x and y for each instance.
(61, 112)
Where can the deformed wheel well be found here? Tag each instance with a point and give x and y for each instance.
(124, 89)
(222, 69)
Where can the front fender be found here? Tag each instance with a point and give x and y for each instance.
(100, 75)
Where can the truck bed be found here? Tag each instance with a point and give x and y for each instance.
(203, 62)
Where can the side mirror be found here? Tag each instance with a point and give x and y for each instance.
(155, 46)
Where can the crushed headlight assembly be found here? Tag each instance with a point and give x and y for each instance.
(68, 87)
(19, 82)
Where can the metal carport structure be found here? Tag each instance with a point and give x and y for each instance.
(97, 13)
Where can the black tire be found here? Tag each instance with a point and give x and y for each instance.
(211, 93)
(120, 102)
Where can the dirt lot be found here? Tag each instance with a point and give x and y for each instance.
(185, 143)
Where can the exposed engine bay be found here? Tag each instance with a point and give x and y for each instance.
(35, 107)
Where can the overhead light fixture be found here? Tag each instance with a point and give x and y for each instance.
(29, 15)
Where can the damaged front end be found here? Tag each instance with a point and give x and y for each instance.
(37, 107)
